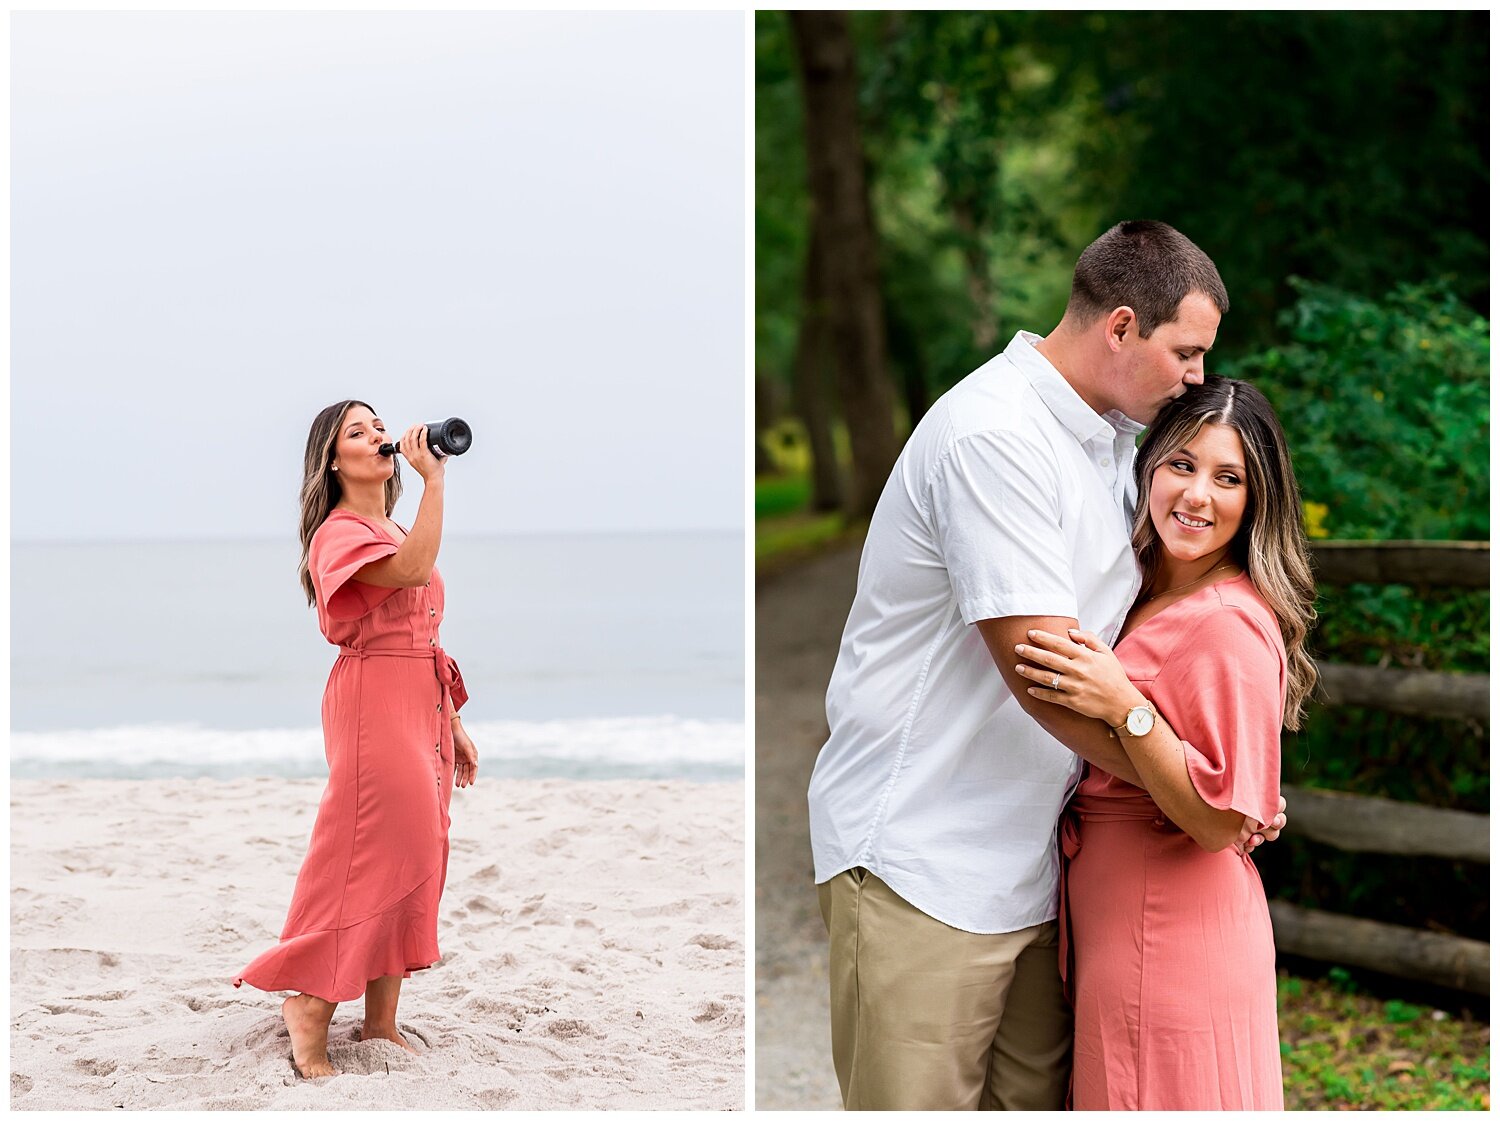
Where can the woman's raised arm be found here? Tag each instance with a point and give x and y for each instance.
(410, 566)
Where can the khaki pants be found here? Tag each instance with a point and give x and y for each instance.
(926, 1016)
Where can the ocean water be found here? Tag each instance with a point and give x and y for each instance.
(584, 656)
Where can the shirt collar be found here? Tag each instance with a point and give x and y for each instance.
(1071, 411)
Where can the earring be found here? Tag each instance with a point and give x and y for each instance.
(335, 467)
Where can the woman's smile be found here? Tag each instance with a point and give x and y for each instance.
(1191, 523)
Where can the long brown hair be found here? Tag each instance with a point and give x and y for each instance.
(321, 489)
(1270, 545)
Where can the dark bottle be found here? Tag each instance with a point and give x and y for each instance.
(446, 437)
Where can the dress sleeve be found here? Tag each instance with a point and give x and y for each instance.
(996, 513)
(1221, 690)
(342, 547)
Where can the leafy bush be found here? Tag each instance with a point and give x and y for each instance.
(1386, 407)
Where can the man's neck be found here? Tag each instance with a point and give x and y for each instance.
(1070, 360)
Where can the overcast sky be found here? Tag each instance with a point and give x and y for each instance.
(222, 222)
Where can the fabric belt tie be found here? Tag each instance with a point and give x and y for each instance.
(444, 666)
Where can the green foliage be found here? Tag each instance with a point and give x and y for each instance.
(780, 195)
(1386, 408)
(1344, 1049)
(1346, 147)
(1399, 1012)
(1349, 147)
(780, 494)
(1340, 979)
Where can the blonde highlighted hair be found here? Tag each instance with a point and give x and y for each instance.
(1270, 545)
(321, 489)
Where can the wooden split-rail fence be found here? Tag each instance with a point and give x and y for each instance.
(1356, 823)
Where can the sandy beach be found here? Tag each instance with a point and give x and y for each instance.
(592, 937)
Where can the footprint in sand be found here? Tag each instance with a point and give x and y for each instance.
(373, 1056)
(71, 1010)
(99, 1068)
(714, 942)
(568, 1029)
(708, 1010)
(676, 907)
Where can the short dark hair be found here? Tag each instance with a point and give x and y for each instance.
(1144, 265)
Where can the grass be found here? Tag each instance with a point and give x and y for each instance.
(1344, 1049)
(796, 536)
(785, 530)
(780, 495)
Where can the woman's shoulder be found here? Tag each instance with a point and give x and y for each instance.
(1234, 610)
(343, 527)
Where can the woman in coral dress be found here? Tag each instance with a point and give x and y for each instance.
(1169, 956)
(364, 910)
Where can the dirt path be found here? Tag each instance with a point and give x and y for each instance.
(799, 616)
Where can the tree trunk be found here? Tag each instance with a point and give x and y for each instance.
(841, 205)
(977, 272)
(911, 368)
(810, 387)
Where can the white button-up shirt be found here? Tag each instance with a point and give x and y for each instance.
(1012, 497)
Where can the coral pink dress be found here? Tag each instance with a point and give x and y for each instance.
(366, 900)
(1173, 966)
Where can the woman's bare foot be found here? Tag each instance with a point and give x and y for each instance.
(381, 997)
(386, 1031)
(307, 1019)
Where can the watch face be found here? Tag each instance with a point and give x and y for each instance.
(1139, 721)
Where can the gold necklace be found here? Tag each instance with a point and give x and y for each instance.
(1190, 583)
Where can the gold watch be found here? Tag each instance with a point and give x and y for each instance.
(1138, 721)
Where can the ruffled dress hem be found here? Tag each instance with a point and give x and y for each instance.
(336, 964)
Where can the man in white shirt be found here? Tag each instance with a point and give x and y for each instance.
(934, 803)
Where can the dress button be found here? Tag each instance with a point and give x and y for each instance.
(432, 611)
(432, 642)
(440, 706)
(1160, 822)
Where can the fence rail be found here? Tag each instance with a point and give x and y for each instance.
(1356, 823)
(1445, 564)
(1409, 691)
(1417, 955)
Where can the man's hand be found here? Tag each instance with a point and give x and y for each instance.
(1253, 834)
